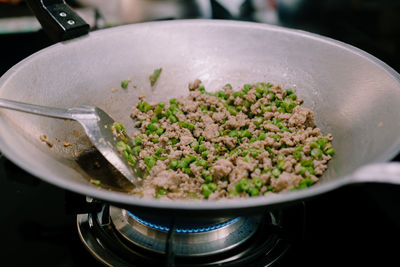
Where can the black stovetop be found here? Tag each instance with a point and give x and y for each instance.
(357, 225)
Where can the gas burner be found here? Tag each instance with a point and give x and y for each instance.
(118, 237)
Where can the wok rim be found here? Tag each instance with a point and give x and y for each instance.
(196, 205)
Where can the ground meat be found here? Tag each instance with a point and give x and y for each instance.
(255, 141)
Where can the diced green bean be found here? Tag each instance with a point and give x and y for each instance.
(246, 88)
(174, 141)
(306, 163)
(276, 137)
(202, 148)
(159, 131)
(204, 154)
(253, 192)
(131, 159)
(313, 145)
(212, 186)
(289, 91)
(205, 191)
(257, 182)
(243, 185)
(161, 192)
(297, 154)
(280, 164)
(150, 162)
(155, 140)
(245, 133)
(306, 182)
(301, 170)
(258, 121)
(231, 110)
(322, 142)
(158, 151)
(183, 163)
(173, 164)
(195, 145)
(262, 136)
(121, 144)
(187, 171)
(153, 78)
(316, 153)
(124, 84)
(330, 152)
(172, 119)
(152, 127)
(276, 172)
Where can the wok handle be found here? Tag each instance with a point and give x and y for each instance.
(388, 173)
(58, 20)
(36, 109)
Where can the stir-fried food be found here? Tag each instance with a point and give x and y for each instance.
(228, 144)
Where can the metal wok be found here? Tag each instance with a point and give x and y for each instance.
(354, 96)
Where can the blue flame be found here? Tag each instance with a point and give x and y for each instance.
(184, 230)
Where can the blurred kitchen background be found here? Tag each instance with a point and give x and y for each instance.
(372, 25)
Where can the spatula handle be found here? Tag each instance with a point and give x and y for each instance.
(60, 113)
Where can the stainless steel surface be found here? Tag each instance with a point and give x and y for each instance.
(187, 241)
(97, 125)
(354, 95)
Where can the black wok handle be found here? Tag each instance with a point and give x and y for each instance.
(58, 20)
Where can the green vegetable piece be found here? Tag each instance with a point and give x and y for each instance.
(206, 176)
(174, 141)
(95, 181)
(254, 153)
(195, 145)
(276, 121)
(310, 170)
(183, 163)
(276, 137)
(138, 141)
(212, 186)
(187, 171)
(253, 192)
(205, 190)
(131, 159)
(280, 164)
(297, 154)
(306, 182)
(124, 84)
(245, 133)
(233, 133)
(159, 131)
(172, 119)
(152, 127)
(233, 192)
(246, 88)
(293, 96)
(154, 119)
(153, 78)
(161, 192)
(322, 142)
(289, 91)
(271, 96)
(204, 154)
(257, 182)
(150, 162)
(313, 145)
(262, 136)
(243, 185)
(231, 110)
(173, 164)
(284, 129)
(158, 151)
(155, 140)
(245, 152)
(258, 121)
(200, 139)
(121, 144)
(302, 170)
(276, 172)
(330, 151)
(247, 104)
(316, 153)
(306, 163)
(228, 85)
(190, 158)
(202, 148)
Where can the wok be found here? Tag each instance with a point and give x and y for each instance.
(354, 96)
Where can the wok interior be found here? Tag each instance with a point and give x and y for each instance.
(352, 97)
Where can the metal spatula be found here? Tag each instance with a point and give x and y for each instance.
(97, 125)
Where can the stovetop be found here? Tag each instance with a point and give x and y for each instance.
(357, 225)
